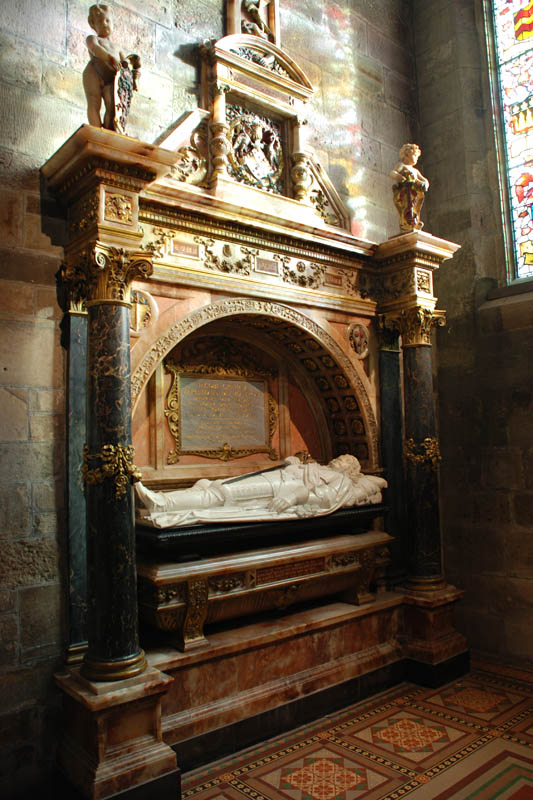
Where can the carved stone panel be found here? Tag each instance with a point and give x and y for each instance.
(256, 149)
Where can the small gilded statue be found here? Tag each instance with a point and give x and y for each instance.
(409, 188)
(110, 75)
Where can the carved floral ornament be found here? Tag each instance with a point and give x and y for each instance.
(115, 462)
(103, 273)
(425, 453)
(118, 208)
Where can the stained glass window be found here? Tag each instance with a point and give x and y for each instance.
(513, 26)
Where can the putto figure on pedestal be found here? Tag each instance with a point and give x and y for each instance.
(110, 75)
(409, 188)
(291, 491)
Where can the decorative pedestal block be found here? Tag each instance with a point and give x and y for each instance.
(180, 597)
(113, 740)
(436, 651)
(262, 678)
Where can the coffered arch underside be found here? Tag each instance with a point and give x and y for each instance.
(351, 419)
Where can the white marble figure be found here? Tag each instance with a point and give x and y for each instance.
(292, 491)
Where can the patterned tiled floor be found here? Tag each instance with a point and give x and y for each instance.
(471, 739)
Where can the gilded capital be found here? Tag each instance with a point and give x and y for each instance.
(414, 324)
(103, 273)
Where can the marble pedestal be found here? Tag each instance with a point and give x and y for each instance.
(260, 678)
(435, 651)
(112, 743)
(179, 598)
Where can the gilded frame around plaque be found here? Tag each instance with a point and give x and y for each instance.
(226, 452)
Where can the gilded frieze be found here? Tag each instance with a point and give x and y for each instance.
(188, 222)
(227, 258)
(307, 275)
(237, 259)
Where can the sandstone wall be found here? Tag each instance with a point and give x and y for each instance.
(358, 54)
(485, 351)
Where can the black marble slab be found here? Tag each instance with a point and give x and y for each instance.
(207, 539)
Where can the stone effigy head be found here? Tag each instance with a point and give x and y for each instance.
(347, 464)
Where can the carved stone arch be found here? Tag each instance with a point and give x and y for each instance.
(329, 356)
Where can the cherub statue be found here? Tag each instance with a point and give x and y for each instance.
(409, 188)
(110, 75)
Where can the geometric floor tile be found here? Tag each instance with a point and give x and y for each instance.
(487, 703)
(499, 771)
(469, 740)
(320, 772)
(410, 738)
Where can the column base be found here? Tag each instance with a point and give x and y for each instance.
(119, 670)
(432, 644)
(112, 743)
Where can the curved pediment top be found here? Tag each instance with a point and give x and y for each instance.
(265, 54)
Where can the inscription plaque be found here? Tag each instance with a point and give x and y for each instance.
(218, 410)
(225, 416)
(181, 248)
(281, 572)
(267, 266)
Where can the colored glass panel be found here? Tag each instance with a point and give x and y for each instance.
(513, 24)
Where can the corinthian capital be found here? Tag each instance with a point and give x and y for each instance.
(414, 324)
(103, 273)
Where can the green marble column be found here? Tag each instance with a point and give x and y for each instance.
(105, 274)
(392, 449)
(421, 450)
